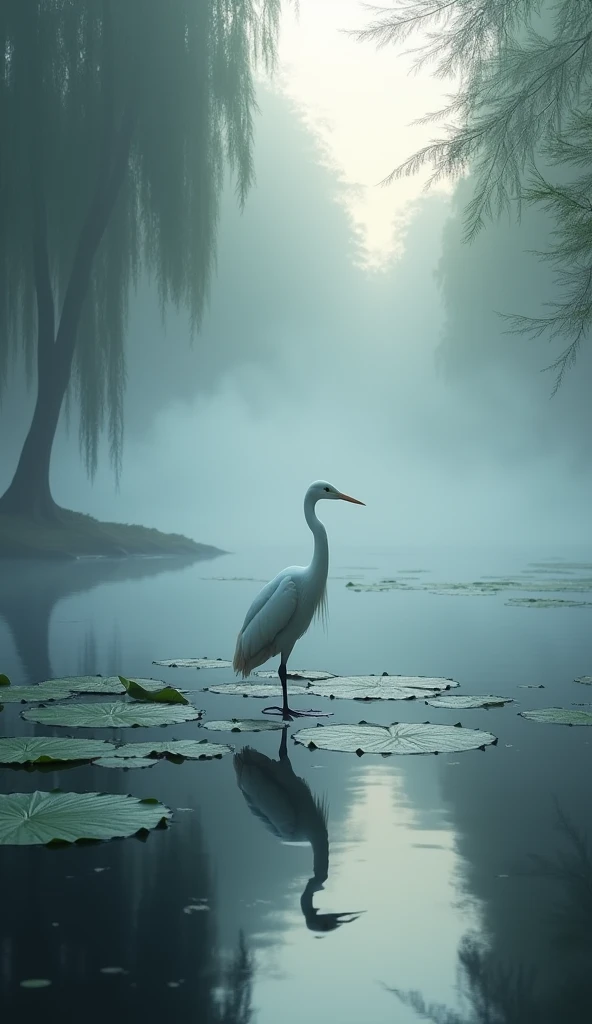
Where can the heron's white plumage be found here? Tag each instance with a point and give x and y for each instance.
(284, 609)
(266, 620)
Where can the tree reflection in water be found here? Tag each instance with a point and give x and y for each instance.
(501, 993)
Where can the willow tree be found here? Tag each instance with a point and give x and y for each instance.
(519, 123)
(119, 121)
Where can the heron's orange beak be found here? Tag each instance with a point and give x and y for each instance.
(346, 497)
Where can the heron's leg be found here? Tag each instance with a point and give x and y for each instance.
(283, 674)
(287, 713)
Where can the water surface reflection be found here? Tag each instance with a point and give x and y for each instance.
(204, 921)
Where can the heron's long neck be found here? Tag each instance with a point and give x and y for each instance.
(320, 559)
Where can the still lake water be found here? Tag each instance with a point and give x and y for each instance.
(436, 851)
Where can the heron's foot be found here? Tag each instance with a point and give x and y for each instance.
(288, 714)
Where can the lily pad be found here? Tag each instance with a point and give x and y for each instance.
(400, 738)
(546, 602)
(4, 680)
(97, 684)
(45, 749)
(257, 690)
(559, 716)
(381, 687)
(28, 819)
(30, 694)
(35, 983)
(167, 695)
(379, 586)
(114, 715)
(194, 663)
(132, 762)
(460, 701)
(299, 673)
(244, 725)
(196, 750)
(586, 680)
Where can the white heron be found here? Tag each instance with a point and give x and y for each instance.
(284, 609)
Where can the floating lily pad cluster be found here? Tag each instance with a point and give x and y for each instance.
(56, 817)
(383, 687)
(71, 817)
(548, 579)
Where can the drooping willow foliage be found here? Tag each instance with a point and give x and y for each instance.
(181, 76)
(521, 116)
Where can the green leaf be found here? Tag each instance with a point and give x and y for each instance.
(118, 762)
(98, 684)
(586, 680)
(256, 689)
(194, 663)
(299, 673)
(35, 983)
(28, 819)
(558, 716)
(243, 725)
(113, 715)
(168, 695)
(4, 680)
(460, 701)
(191, 749)
(380, 687)
(400, 738)
(44, 749)
(30, 694)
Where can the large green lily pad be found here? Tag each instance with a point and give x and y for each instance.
(299, 673)
(197, 750)
(45, 749)
(558, 716)
(97, 684)
(244, 725)
(194, 663)
(4, 680)
(31, 819)
(116, 715)
(461, 701)
(381, 687)
(257, 690)
(400, 738)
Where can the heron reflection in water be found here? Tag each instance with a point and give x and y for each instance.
(287, 808)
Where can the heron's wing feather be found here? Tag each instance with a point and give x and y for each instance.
(262, 599)
(269, 619)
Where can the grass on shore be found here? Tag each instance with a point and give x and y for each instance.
(75, 535)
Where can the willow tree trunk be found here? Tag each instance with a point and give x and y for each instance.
(29, 494)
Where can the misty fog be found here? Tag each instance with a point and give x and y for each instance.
(398, 384)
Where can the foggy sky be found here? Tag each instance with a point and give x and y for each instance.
(398, 390)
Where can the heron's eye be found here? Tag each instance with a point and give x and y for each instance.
(327, 489)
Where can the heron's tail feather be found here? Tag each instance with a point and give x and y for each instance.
(239, 663)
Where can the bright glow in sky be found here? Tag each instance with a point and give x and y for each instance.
(360, 102)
